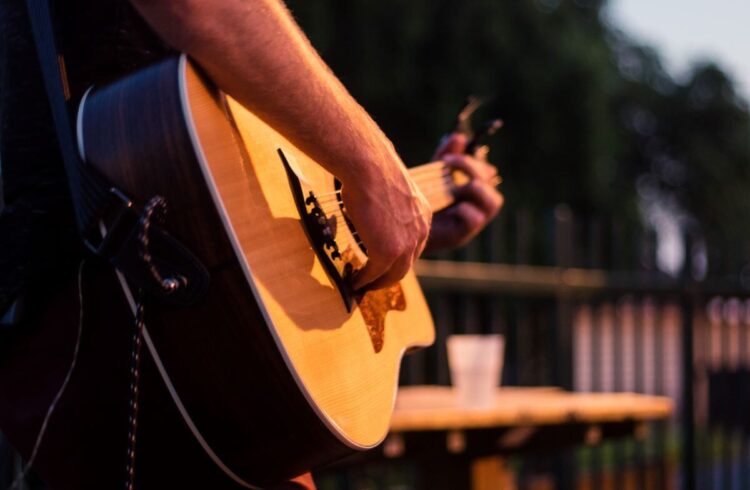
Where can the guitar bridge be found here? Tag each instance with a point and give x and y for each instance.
(322, 228)
(321, 232)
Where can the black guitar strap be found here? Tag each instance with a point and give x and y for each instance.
(89, 190)
(107, 220)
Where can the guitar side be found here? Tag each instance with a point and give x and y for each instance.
(274, 370)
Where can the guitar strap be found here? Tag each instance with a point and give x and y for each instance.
(107, 220)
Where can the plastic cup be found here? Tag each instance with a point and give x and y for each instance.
(476, 365)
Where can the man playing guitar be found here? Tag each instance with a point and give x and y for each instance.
(253, 51)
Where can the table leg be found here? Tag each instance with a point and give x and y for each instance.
(492, 473)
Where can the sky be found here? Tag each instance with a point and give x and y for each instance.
(691, 30)
(686, 31)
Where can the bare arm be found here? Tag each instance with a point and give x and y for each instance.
(254, 51)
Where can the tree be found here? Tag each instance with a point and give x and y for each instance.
(589, 113)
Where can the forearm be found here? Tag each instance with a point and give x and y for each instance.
(255, 52)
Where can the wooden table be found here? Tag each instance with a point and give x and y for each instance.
(459, 448)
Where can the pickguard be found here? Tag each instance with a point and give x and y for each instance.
(376, 304)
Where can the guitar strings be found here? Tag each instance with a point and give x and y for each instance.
(333, 205)
(432, 184)
(433, 187)
(416, 177)
(429, 190)
(334, 211)
(427, 166)
(422, 185)
(433, 191)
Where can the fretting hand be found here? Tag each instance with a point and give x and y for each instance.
(477, 202)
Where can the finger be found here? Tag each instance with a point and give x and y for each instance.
(454, 143)
(482, 195)
(489, 170)
(395, 273)
(456, 226)
(476, 169)
(466, 164)
(468, 220)
(374, 268)
(482, 153)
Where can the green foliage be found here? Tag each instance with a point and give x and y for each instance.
(689, 145)
(589, 114)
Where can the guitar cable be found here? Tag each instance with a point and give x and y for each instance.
(53, 405)
(173, 392)
(140, 334)
(155, 210)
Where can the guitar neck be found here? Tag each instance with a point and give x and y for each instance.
(437, 182)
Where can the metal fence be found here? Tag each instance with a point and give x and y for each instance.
(596, 315)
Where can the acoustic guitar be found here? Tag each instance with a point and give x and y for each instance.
(281, 367)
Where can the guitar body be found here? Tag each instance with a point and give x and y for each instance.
(278, 373)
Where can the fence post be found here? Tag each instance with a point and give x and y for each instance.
(688, 305)
(562, 351)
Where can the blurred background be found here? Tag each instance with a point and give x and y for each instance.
(621, 261)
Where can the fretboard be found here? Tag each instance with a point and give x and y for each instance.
(437, 182)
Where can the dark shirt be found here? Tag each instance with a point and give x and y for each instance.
(101, 41)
